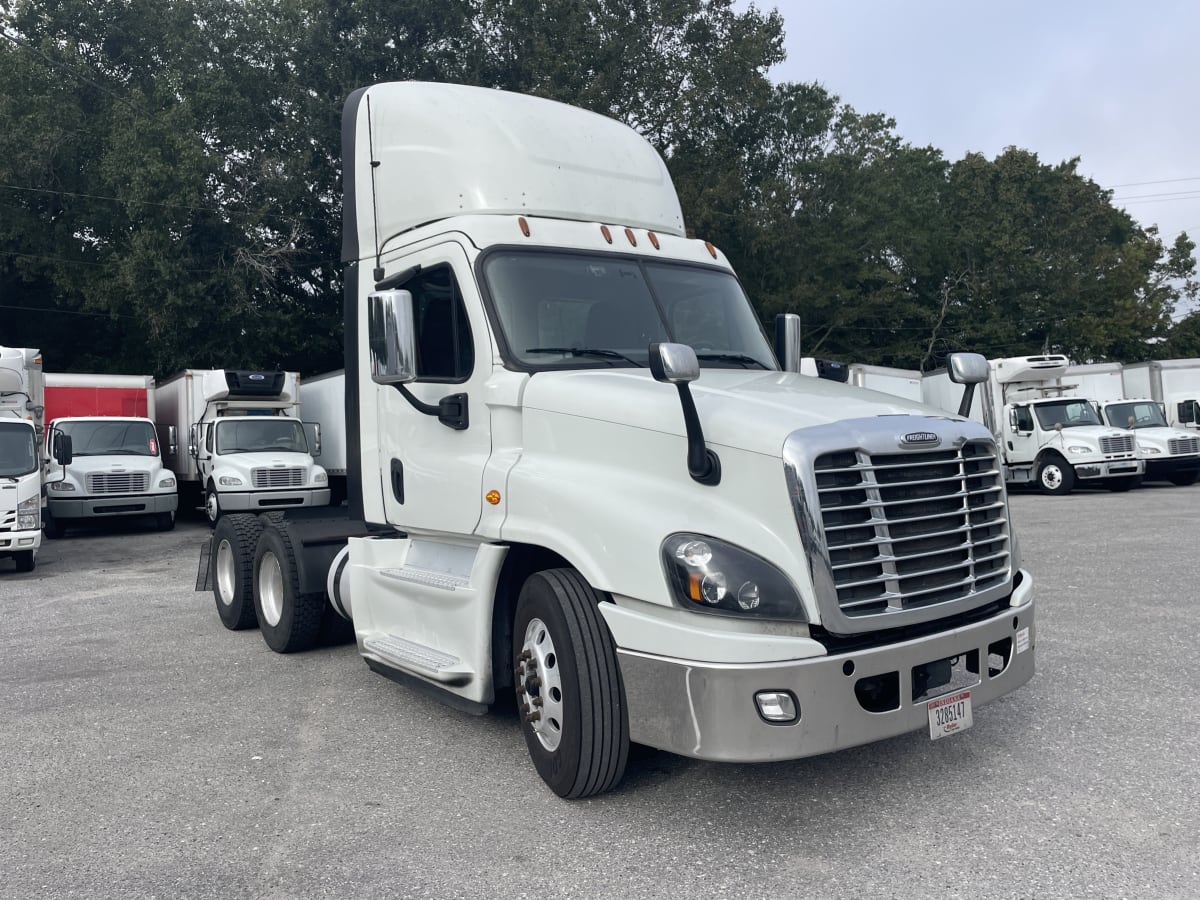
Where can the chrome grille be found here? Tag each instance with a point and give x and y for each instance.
(277, 478)
(117, 482)
(1183, 446)
(914, 529)
(1121, 444)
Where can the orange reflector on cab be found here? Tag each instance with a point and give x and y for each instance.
(654, 240)
(607, 234)
(492, 497)
(524, 225)
(712, 251)
(694, 587)
(632, 239)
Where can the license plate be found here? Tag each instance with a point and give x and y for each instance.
(949, 715)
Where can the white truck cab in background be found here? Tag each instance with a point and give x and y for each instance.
(114, 468)
(1169, 454)
(578, 477)
(1048, 438)
(22, 404)
(245, 448)
(1175, 383)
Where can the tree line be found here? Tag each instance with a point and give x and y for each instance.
(170, 182)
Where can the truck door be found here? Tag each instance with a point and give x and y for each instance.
(1022, 436)
(431, 473)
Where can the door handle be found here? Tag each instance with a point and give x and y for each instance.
(398, 480)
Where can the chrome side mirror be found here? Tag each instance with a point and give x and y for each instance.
(967, 368)
(312, 431)
(391, 338)
(674, 363)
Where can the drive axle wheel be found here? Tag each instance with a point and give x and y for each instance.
(568, 685)
(289, 620)
(234, 539)
(1055, 476)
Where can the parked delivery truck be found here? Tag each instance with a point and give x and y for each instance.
(114, 468)
(1175, 383)
(246, 449)
(22, 402)
(578, 477)
(1047, 437)
(324, 403)
(1168, 454)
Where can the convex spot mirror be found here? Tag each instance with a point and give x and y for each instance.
(967, 368)
(391, 340)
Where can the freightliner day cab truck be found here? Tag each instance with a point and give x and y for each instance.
(578, 477)
(115, 468)
(1175, 383)
(246, 450)
(1047, 439)
(22, 403)
(1169, 454)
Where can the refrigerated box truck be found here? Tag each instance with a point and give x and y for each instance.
(323, 403)
(1175, 383)
(115, 468)
(22, 403)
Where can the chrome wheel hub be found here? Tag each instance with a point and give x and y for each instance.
(225, 573)
(270, 588)
(539, 685)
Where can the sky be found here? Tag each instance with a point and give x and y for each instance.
(1116, 84)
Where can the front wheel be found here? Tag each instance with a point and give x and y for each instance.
(52, 527)
(1124, 483)
(212, 504)
(1055, 476)
(569, 691)
(26, 560)
(164, 521)
(289, 620)
(1183, 479)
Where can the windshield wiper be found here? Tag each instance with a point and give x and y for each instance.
(586, 351)
(742, 358)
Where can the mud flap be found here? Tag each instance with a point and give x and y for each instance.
(204, 573)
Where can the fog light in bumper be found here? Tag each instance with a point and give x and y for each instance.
(777, 707)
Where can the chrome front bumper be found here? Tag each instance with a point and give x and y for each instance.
(265, 501)
(708, 711)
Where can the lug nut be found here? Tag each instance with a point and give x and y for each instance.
(537, 701)
(533, 716)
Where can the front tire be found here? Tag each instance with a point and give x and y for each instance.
(212, 504)
(164, 521)
(1125, 483)
(1055, 476)
(234, 541)
(1183, 479)
(53, 528)
(26, 560)
(568, 685)
(289, 620)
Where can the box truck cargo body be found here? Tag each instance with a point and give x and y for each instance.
(579, 479)
(1175, 383)
(241, 445)
(115, 467)
(22, 403)
(323, 402)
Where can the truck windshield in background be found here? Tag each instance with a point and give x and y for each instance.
(1067, 413)
(1144, 414)
(261, 433)
(18, 455)
(93, 437)
(577, 310)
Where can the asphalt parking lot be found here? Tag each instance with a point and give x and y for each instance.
(148, 752)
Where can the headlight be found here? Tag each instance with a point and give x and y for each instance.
(1151, 451)
(29, 514)
(229, 480)
(320, 478)
(1079, 449)
(61, 486)
(166, 483)
(710, 576)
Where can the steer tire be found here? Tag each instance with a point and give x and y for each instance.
(26, 560)
(1183, 479)
(289, 620)
(569, 692)
(1123, 483)
(1055, 475)
(232, 560)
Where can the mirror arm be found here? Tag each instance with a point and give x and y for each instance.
(964, 408)
(451, 410)
(703, 464)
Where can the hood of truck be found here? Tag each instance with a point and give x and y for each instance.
(751, 410)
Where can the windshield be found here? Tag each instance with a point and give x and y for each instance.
(1067, 413)
(249, 435)
(574, 310)
(96, 437)
(1142, 414)
(18, 456)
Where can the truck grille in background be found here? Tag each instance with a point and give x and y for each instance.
(276, 478)
(908, 530)
(1182, 446)
(1122, 444)
(117, 482)
(8, 520)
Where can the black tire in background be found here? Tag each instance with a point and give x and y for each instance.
(1183, 479)
(582, 749)
(232, 559)
(52, 527)
(26, 560)
(289, 621)
(1124, 483)
(164, 521)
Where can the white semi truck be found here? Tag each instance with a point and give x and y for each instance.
(1175, 383)
(1168, 454)
(22, 404)
(1047, 437)
(578, 477)
(246, 449)
(115, 469)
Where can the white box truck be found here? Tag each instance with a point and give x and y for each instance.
(1168, 454)
(1175, 383)
(22, 403)
(1047, 439)
(904, 383)
(578, 477)
(114, 468)
(323, 402)
(246, 450)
